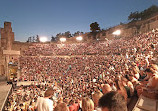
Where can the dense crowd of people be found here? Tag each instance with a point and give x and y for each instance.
(81, 74)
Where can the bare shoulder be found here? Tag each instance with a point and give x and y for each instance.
(155, 78)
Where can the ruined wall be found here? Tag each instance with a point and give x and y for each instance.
(20, 46)
(7, 38)
(149, 24)
(153, 25)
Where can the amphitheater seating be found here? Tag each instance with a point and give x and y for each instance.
(103, 61)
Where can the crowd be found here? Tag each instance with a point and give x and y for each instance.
(66, 49)
(81, 73)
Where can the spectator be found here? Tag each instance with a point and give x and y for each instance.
(44, 103)
(73, 106)
(61, 107)
(106, 88)
(112, 101)
(87, 104)
(152, 83)
(96, 96)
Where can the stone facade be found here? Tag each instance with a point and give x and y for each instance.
(9, 49)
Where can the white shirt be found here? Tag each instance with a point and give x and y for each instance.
(44, 104)
(97, 109)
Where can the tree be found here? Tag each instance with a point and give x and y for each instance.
(134, 16)
(58, 36)
(33, 39)
(148, 12)
(77, 33)
(67, 34)
(37, 38)
(52, 38)
(81, 33)
(30, 39)
(27, 40)
(94, 27)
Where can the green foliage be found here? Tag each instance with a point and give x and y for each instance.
(67, 34)
(58, 36)
(37, 38)
(144, 14)
(33, 39)
(78, 33)
(94, 27)
(134, 16)
(53, 39)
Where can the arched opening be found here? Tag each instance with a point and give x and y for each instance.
(12, 71)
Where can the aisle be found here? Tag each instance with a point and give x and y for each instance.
(4, 89)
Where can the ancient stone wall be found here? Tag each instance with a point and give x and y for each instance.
(7, 36)
(6, 42)
(20, 46)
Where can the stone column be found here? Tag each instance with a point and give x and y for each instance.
(19, 70)
(6, 67)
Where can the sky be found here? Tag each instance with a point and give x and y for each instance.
(49, 17)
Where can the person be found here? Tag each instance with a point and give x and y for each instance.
(96, 96)
(106, 88)
(73, 106)
(120, 88)
(136, 73)
(153, 80)
(128, 86)
(44, 103)
(152, 84)
(112, 101)
(61, 107)
(87, 104)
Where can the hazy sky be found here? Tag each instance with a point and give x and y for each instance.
(49, 17)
